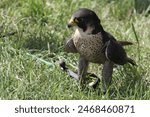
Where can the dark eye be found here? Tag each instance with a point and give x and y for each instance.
(80, 19)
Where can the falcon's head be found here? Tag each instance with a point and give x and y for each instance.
(86, 21)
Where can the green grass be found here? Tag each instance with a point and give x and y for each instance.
(40, 29)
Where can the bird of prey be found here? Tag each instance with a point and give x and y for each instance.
(95, 45)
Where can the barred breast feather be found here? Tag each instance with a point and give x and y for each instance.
(89, 46)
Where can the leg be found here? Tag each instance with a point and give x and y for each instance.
(82, 69)
(107, 74)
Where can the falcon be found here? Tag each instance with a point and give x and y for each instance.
(95, 45)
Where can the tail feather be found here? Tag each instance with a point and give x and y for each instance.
(124, 43)
(131, 61)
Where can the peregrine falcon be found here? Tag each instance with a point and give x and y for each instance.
(95, 45)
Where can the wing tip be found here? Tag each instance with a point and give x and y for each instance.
(131, 61)
(124, 43)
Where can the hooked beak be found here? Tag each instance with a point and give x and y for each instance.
(72, 22)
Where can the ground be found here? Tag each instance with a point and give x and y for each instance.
(38, 28)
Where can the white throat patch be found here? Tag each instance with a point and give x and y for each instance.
(87, 34)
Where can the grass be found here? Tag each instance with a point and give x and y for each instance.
(39, 27)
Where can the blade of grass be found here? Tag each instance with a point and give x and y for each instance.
(137, 40)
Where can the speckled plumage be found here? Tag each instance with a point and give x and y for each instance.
(89, 46)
